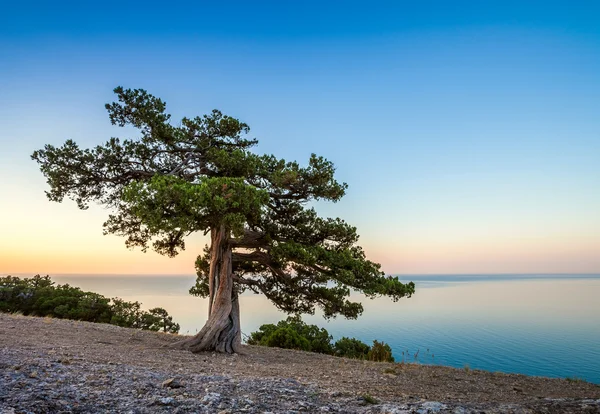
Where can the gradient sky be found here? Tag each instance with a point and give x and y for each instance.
(469, 132)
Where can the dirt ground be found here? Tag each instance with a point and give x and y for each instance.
(107, 344)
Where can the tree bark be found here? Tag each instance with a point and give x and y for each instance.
(222, 331)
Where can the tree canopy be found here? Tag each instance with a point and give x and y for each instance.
(201, 175)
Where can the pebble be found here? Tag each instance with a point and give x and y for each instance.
(171, 383)
(167, 400)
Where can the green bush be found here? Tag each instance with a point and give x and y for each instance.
(158, 319)
(381, 352)
(287, 338)
(351, 348)
(293, 333)
(38, 296)
(260, 337)
(318, 339)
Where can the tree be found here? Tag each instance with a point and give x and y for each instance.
(201, 176)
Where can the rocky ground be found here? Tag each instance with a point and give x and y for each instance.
(59, 366)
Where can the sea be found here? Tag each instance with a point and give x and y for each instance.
(543, 325)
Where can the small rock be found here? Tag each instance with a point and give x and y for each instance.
(167, 400)
(172, 383)
(431, 407)
(394, 409)
(211, 398)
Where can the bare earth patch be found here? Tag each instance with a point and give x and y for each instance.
(52, 365)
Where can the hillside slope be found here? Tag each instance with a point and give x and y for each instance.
(51, 365)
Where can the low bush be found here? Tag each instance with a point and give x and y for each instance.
(293, 333)
(381, 352)
(287, 338)
(351, 348)
(317, 339)
(39, 296)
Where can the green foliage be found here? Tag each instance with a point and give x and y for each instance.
(369, 399)
(319, 338)
(126, 314)
(293, 333)
(168, 204)
(200, 175)
(39, 296)
(260, 337)
(310, 337)
(351, 348)
(381, 352)
(158, 319)
(287, 338)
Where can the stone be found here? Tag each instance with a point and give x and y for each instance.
(393, 409)
(172, 383)
(167, 400)
(431, 407)
(212, 398)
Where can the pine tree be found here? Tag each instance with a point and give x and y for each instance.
(201, 176)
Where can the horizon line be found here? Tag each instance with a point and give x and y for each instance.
(3, 274)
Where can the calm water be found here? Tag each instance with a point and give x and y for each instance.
(535, 325)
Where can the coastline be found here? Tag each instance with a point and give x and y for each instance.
(51, 365)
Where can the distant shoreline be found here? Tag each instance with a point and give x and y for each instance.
(424, 276)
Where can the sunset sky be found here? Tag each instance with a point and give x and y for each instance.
(468, 132)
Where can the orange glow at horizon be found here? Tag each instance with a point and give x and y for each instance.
(108, 255)
(56, 238)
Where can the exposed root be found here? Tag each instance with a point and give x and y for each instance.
(222, 332)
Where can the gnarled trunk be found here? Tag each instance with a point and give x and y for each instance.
(222, 331)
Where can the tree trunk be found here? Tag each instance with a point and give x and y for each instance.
(222, 331)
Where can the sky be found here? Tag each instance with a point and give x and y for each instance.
(468, 131)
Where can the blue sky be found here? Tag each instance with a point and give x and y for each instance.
(468, 131)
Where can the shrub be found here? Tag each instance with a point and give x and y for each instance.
(158, 319)
(318, 339)
(260, 337)
(287, 338)
(351, 348)
(293, 333)
(126, 314)
(381, 352)
(38, 296)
